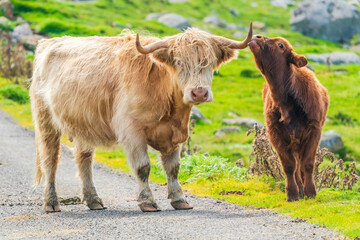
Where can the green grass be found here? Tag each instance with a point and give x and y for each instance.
(237, 91)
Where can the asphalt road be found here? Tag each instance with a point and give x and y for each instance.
(22, 215)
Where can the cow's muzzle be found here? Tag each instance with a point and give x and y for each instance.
(200, 95)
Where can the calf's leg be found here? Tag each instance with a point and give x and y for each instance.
(171, 164)
(84, 158)
(308, 161)
(280, 139)
(47, 139)
(140, 163)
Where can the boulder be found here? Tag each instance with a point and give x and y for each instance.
(282, 3)
(242, 122)
(30, 42)
(21, 31)
(332, 141)
(334, 20)
(174, 20)
(335, 58)
(222, 131)
(259, 25)
(197, 115)
(231, 26)
(214, 20)
(153, 16)
(7, 8)
(239, 35)
(234, 12)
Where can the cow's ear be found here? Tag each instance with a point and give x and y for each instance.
(162, 55)
(224, 55)
(298, 60)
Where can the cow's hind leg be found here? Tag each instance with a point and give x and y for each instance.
(84, 158)
(47, 139)
(171, 164)
(140, 163)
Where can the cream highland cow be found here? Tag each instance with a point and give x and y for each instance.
(104, 91)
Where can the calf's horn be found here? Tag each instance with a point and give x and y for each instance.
(236, 44)
(151, 47)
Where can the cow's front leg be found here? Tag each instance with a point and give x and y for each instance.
(140, 163)
(171, 164)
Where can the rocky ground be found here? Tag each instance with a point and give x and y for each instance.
(22, 215)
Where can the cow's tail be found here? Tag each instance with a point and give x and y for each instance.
(38, 172)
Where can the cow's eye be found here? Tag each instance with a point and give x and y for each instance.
(178, 62)
(280, 45)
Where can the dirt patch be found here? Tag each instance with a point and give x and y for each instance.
(70, 201)
(231, 193)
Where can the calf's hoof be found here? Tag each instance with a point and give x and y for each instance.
(149, 207)
(52, 208)
(181, 205)
(310, 195)
(293, 198)
(95, 204)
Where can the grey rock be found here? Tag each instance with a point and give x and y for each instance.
(21, 31)
(334, 20)
(221, 132)
(216, 21)
(7, 8)
(332, 141)
(242, 122)
(234, 12)
(3, 20)
(259, 25)
(238, 34)
(30, 42)
(282, 3)
(197, 115)
(154, 16)
(335, 58)
(241, 27)
(231, 26)
(174, 20)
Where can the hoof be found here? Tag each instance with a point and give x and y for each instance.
(96, 204)
(149, 207)
(52, 208)
(293, 198)
(181, 205)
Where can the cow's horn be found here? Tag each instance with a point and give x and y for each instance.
(151, 47)
(236, 44)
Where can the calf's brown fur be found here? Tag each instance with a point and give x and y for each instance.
(295, 108)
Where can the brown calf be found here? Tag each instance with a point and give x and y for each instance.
(295, 107)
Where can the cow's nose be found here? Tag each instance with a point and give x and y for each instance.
(199, 95)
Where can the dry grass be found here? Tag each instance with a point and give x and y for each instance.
(14, 63)
(327, 175)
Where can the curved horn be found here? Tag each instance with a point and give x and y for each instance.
(151, 47)
(236, 44)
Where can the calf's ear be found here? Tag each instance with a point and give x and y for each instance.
(298, 60)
